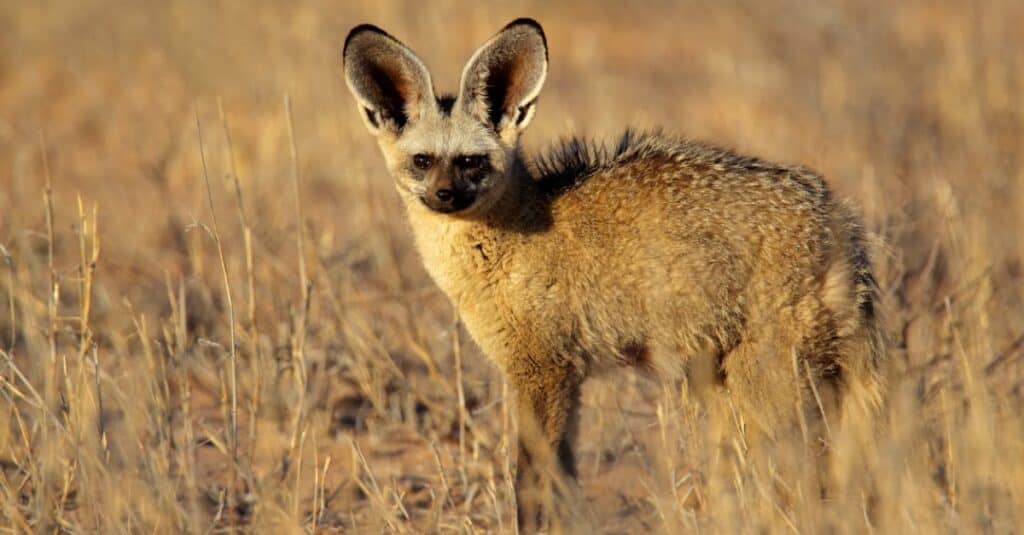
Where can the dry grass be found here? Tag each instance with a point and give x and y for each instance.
(233, 331)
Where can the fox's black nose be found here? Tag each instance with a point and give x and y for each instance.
(447, 199)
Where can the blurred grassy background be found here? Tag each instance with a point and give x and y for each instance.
(116, 374)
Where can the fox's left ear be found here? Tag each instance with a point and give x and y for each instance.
(500, 83)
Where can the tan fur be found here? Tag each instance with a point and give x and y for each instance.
(667, 256)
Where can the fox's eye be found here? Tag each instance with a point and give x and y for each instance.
(423, 161)
(473, 161)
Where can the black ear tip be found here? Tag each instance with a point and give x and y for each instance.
(526, 21)
(361, 29)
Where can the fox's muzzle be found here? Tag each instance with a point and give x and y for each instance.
(448, 197)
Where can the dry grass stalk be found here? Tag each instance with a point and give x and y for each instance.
(232, 355)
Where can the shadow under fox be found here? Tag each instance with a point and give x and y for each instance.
(660, 254)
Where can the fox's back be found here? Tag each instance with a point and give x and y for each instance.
(668, 250)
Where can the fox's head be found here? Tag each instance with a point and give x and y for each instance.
(452, 154)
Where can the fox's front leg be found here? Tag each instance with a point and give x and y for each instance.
(547, 406)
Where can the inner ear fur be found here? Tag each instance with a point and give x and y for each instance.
(502, 79)
(391, 85)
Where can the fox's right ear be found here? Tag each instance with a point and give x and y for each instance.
(391, 85)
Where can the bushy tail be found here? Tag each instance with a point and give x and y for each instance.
(866, 347)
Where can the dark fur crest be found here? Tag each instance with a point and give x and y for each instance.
(571, 161)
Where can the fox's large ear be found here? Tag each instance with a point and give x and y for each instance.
(501, 81)
(391, 85)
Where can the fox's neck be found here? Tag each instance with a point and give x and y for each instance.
(453, 246)
(518, 204)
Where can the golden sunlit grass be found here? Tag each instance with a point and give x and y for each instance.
(212, 317)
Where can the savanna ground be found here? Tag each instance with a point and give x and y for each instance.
(311, 378)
